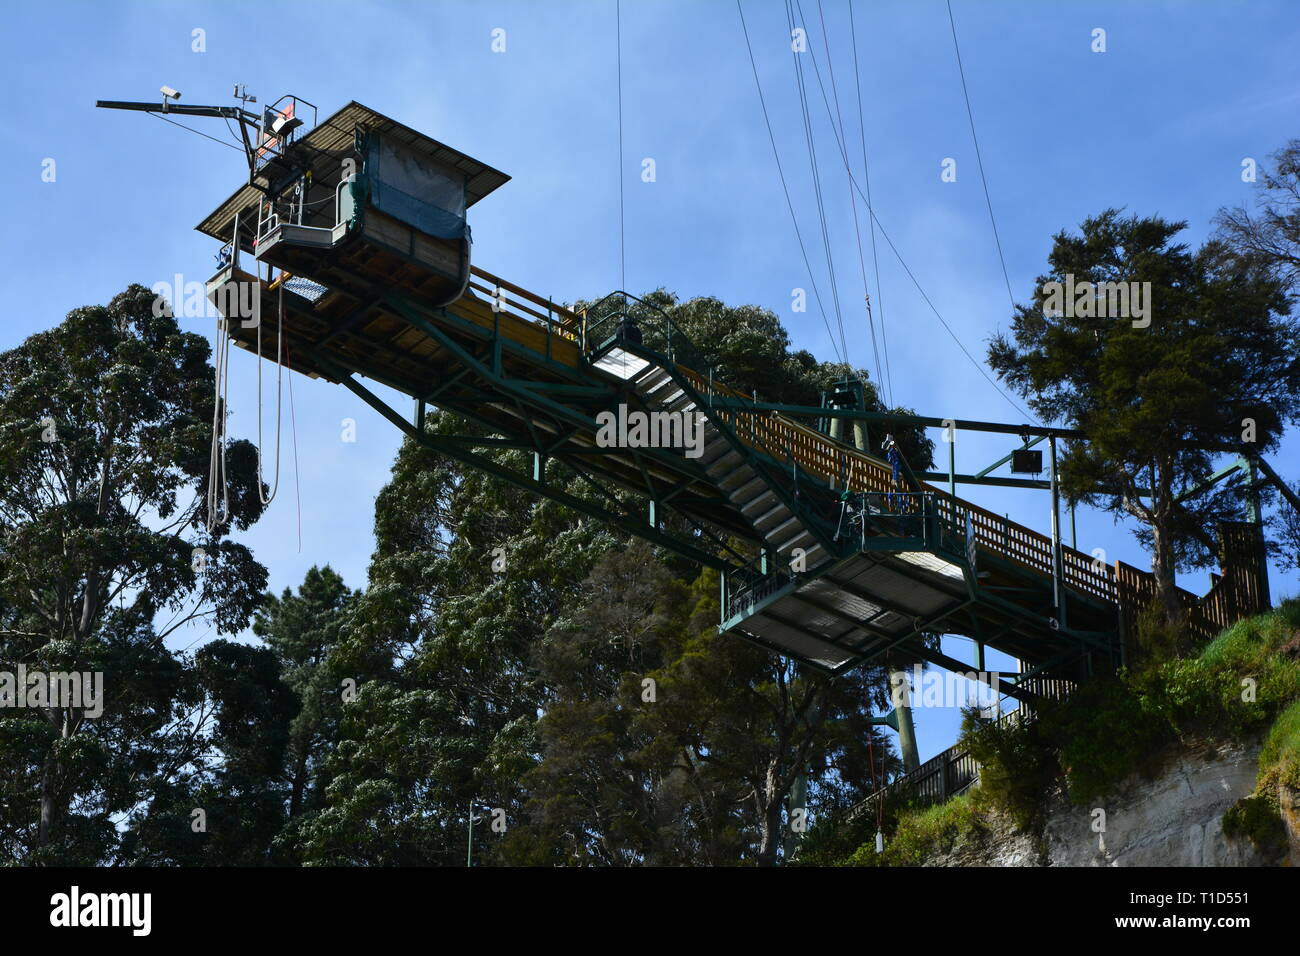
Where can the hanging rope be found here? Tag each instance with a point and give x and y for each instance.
(880, 800)
(217, 461)
(279, 376)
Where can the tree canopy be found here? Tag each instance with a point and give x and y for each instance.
(1209, 369)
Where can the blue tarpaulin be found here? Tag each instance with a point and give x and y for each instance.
(412, 187)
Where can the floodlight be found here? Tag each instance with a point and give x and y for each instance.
(284, 125)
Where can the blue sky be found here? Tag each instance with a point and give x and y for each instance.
(1159, 123)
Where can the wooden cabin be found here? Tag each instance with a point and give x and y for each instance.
(360, 205)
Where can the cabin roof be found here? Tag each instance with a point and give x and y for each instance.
(331, 141)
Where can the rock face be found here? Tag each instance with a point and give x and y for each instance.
(1175, 819)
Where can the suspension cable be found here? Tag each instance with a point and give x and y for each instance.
(871, 222)
(853, 199)
(908, 270)
(810, 140)
(622, 235)
(785, 188)
(979, 159)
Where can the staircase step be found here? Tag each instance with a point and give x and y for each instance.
(761, 500)
(652, 377)
(772, 518)
(811, 556)
(663, 387)
(735, 478)
(723, 463)
(714, 450)
(775, 533)
(800, 540)
(748, 491)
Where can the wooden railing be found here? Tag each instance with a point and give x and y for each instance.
(521, 302)
(951, 772)
(784, 440)
(1237, 593)
(790, 442)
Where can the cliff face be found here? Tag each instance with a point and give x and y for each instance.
(1175, 819)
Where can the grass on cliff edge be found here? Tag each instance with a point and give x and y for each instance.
(922, 834)
(1243, 684)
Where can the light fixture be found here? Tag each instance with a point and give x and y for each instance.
(283, 125)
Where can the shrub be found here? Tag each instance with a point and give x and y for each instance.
(1279, 758)
(1258, 819)
(922, 834)
(1018, 765)
(1104, 732)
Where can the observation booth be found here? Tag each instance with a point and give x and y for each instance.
(335, 216)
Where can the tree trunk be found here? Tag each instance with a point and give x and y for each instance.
(1162, 566)
(1162, 542)
(769, 814)
(47, 803)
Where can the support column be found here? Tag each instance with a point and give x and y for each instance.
(900, 690)
(797, 801)
(952, 465)
(901, 694)
(837, 430)
(1255, 515)
(1057, 596)
(859, 434)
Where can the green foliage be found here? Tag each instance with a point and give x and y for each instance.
(923, 834)
(105, 428)
(1279, 758)
(1158, 639)
(1258, 819)
(1018, 765)
(1111, 728)
(524, 687)
(1158, 401)
(1103, 733)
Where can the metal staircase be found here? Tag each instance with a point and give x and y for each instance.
(725, 460)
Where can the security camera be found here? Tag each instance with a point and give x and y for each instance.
(170, 93)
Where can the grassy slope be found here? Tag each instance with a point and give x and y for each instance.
(1244, 685)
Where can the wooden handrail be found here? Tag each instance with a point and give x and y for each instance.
(784, 439)
(560, 311)
(820, 454)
